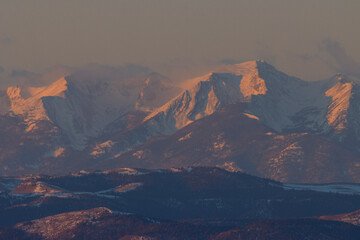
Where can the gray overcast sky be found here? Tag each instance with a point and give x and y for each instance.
(303, 37)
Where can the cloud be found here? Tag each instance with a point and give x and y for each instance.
(305, 57)
(179, 70)
(95, 71)
(265, 52)
(6, 40)
(339, 60)
(24, 77)
(22, 73)
(56, 72)
(130, 74)
(229, 61)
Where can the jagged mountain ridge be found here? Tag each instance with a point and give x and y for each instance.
(281, 102)
(66, 115)
(238, 141)
(91, 127)
(79, 110)
(83, 104)
(274, 97)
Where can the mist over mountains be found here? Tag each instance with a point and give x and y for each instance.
(248, 117)
(244, 151)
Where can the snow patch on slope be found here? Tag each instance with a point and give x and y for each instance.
(341, 94)
(53, 227)
(35, 187)
(187, 136)
(251, 116)
(329, 188)
(32, 108)
(59, 151)
(126, 171)
(127, 187)
(102, 148)
(291, 154)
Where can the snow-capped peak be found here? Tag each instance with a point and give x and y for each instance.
(80, 108)
(343, 110)
(227, 85)
(281, 102)
(28, 102)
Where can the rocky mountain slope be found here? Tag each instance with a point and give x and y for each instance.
(156, 91)
(299, 131)
(42, 124)
(102, 223)
(311, 127)
(238, 141)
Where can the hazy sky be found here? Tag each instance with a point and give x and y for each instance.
(311, 39)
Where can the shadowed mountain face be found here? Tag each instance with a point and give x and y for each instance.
(247, 117)
(176, 194)
(67, 115)
(190, 203)
(156, 91)
(292, 229)
(237, 141)
(101, 223)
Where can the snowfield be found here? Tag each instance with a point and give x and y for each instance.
(329, 188)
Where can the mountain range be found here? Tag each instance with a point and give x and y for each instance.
(245, 117)
(243, 152)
